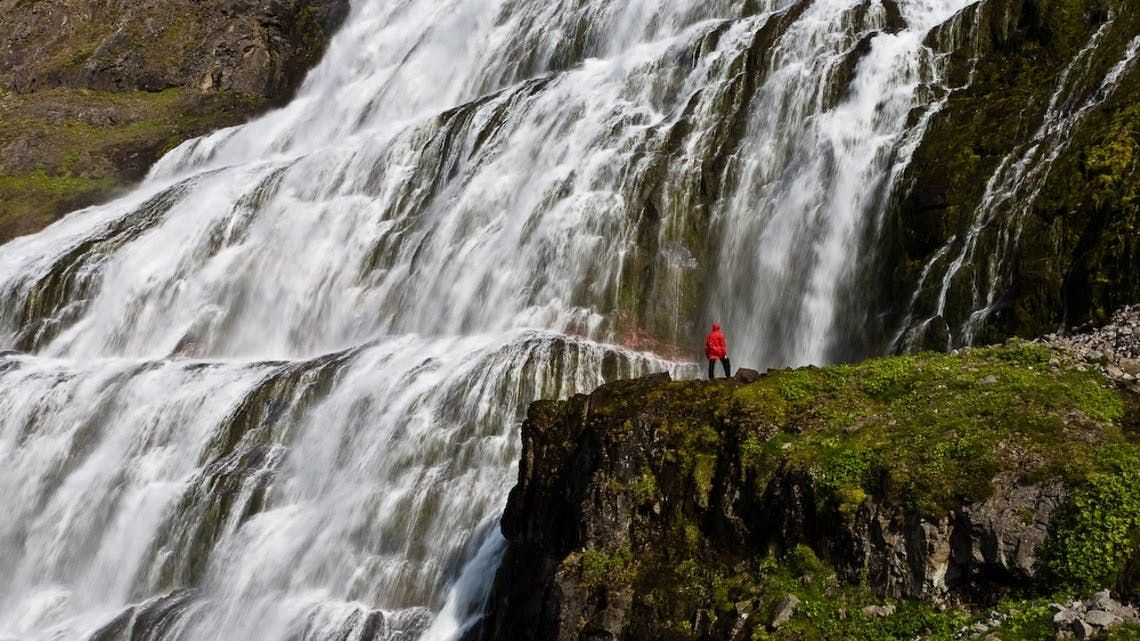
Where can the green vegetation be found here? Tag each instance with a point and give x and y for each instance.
(595, 569)
(1098, 534)
(920, 435)
(67, 148)
(30, 201)
(927, 432)
(830, 610)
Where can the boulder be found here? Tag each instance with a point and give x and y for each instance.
(747, 375)
(784, 611)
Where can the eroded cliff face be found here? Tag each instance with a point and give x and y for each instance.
(655, 509)
(92, 92)
(258, 47)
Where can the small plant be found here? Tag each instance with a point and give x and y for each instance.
(1096, 535)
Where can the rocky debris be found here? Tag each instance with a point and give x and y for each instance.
(983, 629)
(784, 612)
(1081, 630)
(1083, 619)
(1075, 619)
(1112, 347)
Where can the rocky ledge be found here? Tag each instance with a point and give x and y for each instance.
(931, 496)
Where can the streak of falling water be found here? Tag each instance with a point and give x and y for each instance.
(1010, 193)
(814, 180)
(274, 392)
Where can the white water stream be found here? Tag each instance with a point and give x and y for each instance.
(274, 392)
(1010, 193)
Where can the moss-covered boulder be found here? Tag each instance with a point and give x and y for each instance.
(892, 498)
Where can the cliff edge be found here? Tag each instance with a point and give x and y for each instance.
(900, 498)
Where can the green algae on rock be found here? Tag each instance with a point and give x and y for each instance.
(659, 509)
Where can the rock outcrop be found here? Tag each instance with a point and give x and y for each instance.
(658, 509)
(256, 47)
(92, 92)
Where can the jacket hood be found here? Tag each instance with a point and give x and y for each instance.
(716, 327)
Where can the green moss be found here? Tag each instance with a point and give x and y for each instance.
(597, 569)
(645, 489)
(1096, 537)
(75, 147)
(29, 201)
(704, 466)
(932, 430)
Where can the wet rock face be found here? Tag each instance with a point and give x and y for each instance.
(153, 617)
(1074, 254)
(257, 47)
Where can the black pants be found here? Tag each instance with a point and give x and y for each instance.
(727, 368)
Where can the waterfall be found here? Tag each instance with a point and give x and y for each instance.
(274, 391)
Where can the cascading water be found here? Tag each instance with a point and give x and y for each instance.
(274, 392)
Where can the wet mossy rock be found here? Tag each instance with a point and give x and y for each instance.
(1069, 238)
(660, 509)
(93, 92)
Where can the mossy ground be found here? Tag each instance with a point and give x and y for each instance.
(68, 148)
(932, 431)
(926, 433)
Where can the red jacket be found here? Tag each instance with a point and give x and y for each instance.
(715, 345)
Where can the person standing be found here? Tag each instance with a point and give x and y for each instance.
(716, 348)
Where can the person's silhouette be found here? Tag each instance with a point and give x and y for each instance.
(716, 348)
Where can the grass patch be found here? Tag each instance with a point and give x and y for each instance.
(68, 148)
(931, 431)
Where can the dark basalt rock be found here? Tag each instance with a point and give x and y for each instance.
(147, 620)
